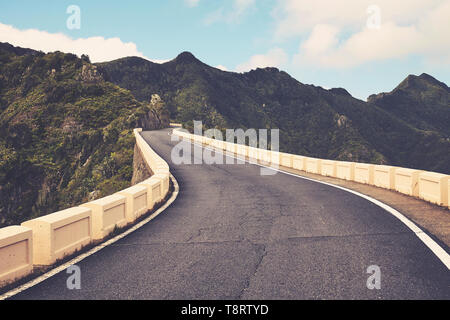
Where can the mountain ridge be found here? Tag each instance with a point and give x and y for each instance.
(313, 121)
(421, 101)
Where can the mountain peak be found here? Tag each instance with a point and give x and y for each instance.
(340, 91)
(427, 76)
(186, 57)
(414, 85)
(420, 82)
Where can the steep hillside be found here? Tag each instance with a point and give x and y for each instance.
(65, 133)
(422, 101)
(312, 121)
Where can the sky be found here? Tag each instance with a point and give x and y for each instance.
(364, 46)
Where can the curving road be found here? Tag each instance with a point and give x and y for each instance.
(234, 234)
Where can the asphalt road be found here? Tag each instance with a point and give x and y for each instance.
(234, 234)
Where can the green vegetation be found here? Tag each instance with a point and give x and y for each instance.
(312, 121)
(421, 101)
(65, 133)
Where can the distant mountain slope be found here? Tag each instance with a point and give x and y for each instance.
(422, 101)
(312, 121)
(65, 133)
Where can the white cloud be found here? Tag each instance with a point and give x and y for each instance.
(240, 6)
(214, 16)
(295, 17)
(337, 35)
(322, 38)
(192, 3)
(238, 10)
(221, 67)
(389, 42)
(99, 49)
(274, 58)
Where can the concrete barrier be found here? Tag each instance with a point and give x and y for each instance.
(242, 150)
(224, 146)
(364, 173)
(161, 171)
(231, 147)
(158, 185)
(264, 156)
(60, 234)
(206, 140)
(329, 168)
(16, 253)
(107, 213)
(345, 170)
(184, 136)
(286, 160)
(209, 141)
(384, 177)
(448, 193)
(433, 187)
(407, 181)
(268, 157)
(298, 163)
(253, 154)
(160, 163)
(161, 168)
(153, 160)
(196, 138)
(313, 165)
(218, 144)
(164, 178)
(155, 192)
(136, 201)
(275, 158)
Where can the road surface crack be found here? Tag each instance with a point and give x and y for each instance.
(257, 266)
